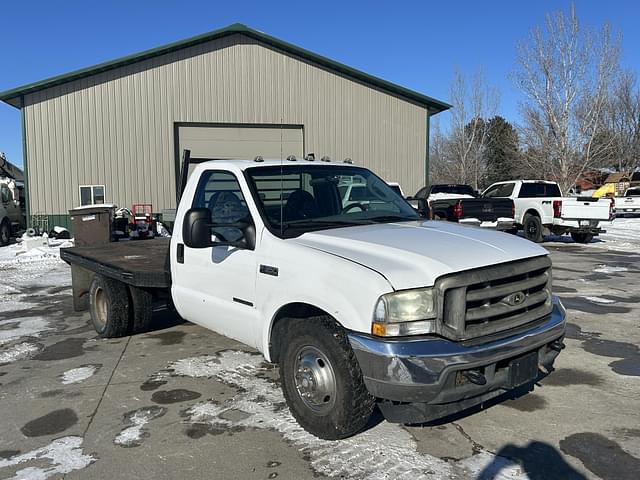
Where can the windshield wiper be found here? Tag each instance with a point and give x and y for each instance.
(392, 218)
(319, 223)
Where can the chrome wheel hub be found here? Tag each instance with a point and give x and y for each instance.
(314, 379)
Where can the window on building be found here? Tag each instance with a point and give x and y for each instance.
(91, 195)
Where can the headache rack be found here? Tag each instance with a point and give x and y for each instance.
(493, 299)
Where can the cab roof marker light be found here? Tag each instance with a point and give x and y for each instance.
(348, 160)
(258, 159)
(326, 158)
(311, 157)
(292, 158)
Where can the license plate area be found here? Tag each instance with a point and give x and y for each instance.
(584, 223)
(523, 370)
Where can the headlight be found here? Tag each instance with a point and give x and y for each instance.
(410, 312)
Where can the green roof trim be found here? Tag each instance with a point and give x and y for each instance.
(13, 96)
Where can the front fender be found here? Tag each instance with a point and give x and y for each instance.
(342, 288)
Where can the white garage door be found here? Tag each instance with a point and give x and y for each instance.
(241, 142)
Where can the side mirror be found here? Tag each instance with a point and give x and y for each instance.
(196, 228)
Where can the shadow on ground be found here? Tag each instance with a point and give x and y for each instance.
(539, 460)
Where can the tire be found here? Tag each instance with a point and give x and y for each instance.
(141, 309)
(582, 237)
(339, 404)
(109, 307)
(532, 227)
(5, 233)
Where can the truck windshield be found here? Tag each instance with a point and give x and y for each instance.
(294, 199)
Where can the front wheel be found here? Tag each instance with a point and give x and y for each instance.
(582, 237)
(322, 381)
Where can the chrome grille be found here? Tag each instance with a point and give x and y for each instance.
(492, 299)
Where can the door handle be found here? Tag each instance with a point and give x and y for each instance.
(180, 253)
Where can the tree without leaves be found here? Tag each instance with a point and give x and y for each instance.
(458, 156)
(566, 73)
(621, 126)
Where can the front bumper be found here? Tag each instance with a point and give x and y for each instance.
(432, 371)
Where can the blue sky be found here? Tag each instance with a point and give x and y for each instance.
(415, 44)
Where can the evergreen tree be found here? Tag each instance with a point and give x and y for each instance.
(502, 153)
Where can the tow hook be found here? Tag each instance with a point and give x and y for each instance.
(475, 376)
(557, 345)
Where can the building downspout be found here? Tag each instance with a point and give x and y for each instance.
(426, 158)
(27, 205)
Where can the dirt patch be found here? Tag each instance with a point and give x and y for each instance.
(8, 453)
(602, 456)
(68, 348)
(165, 397)
(527, 403)
(572, 376)
(51, 423)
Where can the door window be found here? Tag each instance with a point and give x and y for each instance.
(220, 193)
(502, 190)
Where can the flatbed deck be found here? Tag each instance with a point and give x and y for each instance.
(141, 263)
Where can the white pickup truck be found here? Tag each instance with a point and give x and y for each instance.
(358, 306)
(540, 209)
(629, 203)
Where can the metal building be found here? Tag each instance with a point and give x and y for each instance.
(114, 132)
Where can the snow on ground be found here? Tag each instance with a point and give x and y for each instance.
(18, 352)
(64, 456)
(132, 436)
(12, 330)
(623, 234)
(609, 269)
(599, 300)
(80, 374)
(22, 272)
(386, 451)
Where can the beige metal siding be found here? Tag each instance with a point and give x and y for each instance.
(234, 142)
(117, 128)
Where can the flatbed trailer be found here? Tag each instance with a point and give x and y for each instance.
(127, 275)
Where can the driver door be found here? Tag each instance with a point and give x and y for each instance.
(215, 286)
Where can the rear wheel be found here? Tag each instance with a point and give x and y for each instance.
(141, 309)
(5, 233)
(321, 379)
(109, 307)
(532, 227)
(582, 237)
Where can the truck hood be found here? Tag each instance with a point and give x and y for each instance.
(415, 254)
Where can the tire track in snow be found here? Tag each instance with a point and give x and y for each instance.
(386, 451)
